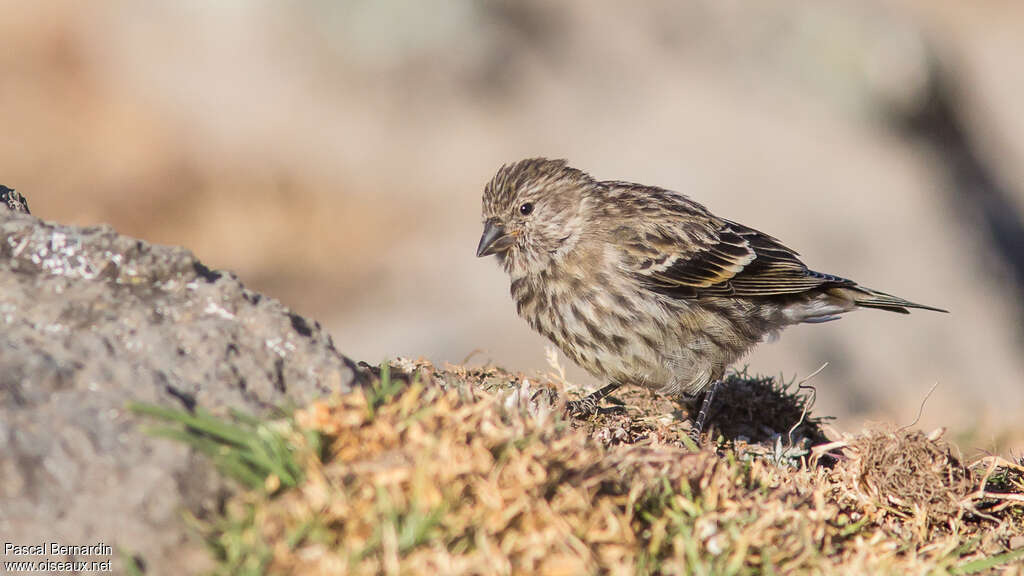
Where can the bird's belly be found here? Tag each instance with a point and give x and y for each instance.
(627, 341)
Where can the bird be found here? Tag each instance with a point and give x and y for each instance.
(643, 285)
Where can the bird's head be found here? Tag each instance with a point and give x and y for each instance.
(532, 213)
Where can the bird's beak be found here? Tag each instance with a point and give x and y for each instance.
(494, 239)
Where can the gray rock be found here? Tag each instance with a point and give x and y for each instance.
(91, 320)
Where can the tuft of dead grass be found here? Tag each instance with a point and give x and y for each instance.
(470, 471)
(909, 474)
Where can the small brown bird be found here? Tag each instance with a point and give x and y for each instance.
(641, 285)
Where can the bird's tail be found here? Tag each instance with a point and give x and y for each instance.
(868, 298)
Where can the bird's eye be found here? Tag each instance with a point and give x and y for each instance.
(526, 209)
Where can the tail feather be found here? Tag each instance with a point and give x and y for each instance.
(867, 298)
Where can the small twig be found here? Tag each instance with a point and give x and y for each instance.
(980, 492)
(999, 461)
(472, 353)
(1007, 499)
(920, 408)
(809, 403)
(825, 448)
(1004, 496)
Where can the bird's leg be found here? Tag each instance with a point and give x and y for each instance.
(705, 407)
(588, 405)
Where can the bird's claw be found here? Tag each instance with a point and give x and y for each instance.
(582, 408)
(586, 407)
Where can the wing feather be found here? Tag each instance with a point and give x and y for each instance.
(688, 254)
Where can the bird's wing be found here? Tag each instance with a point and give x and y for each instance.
(688, 255)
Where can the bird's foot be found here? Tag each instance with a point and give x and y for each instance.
(702, 415)
(586, 407)
(590, 405)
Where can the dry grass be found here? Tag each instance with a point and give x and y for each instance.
(462, 471)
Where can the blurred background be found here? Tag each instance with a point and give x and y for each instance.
(333, 154)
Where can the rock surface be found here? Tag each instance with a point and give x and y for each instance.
(91, 320)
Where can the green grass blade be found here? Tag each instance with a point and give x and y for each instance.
(982, 564)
